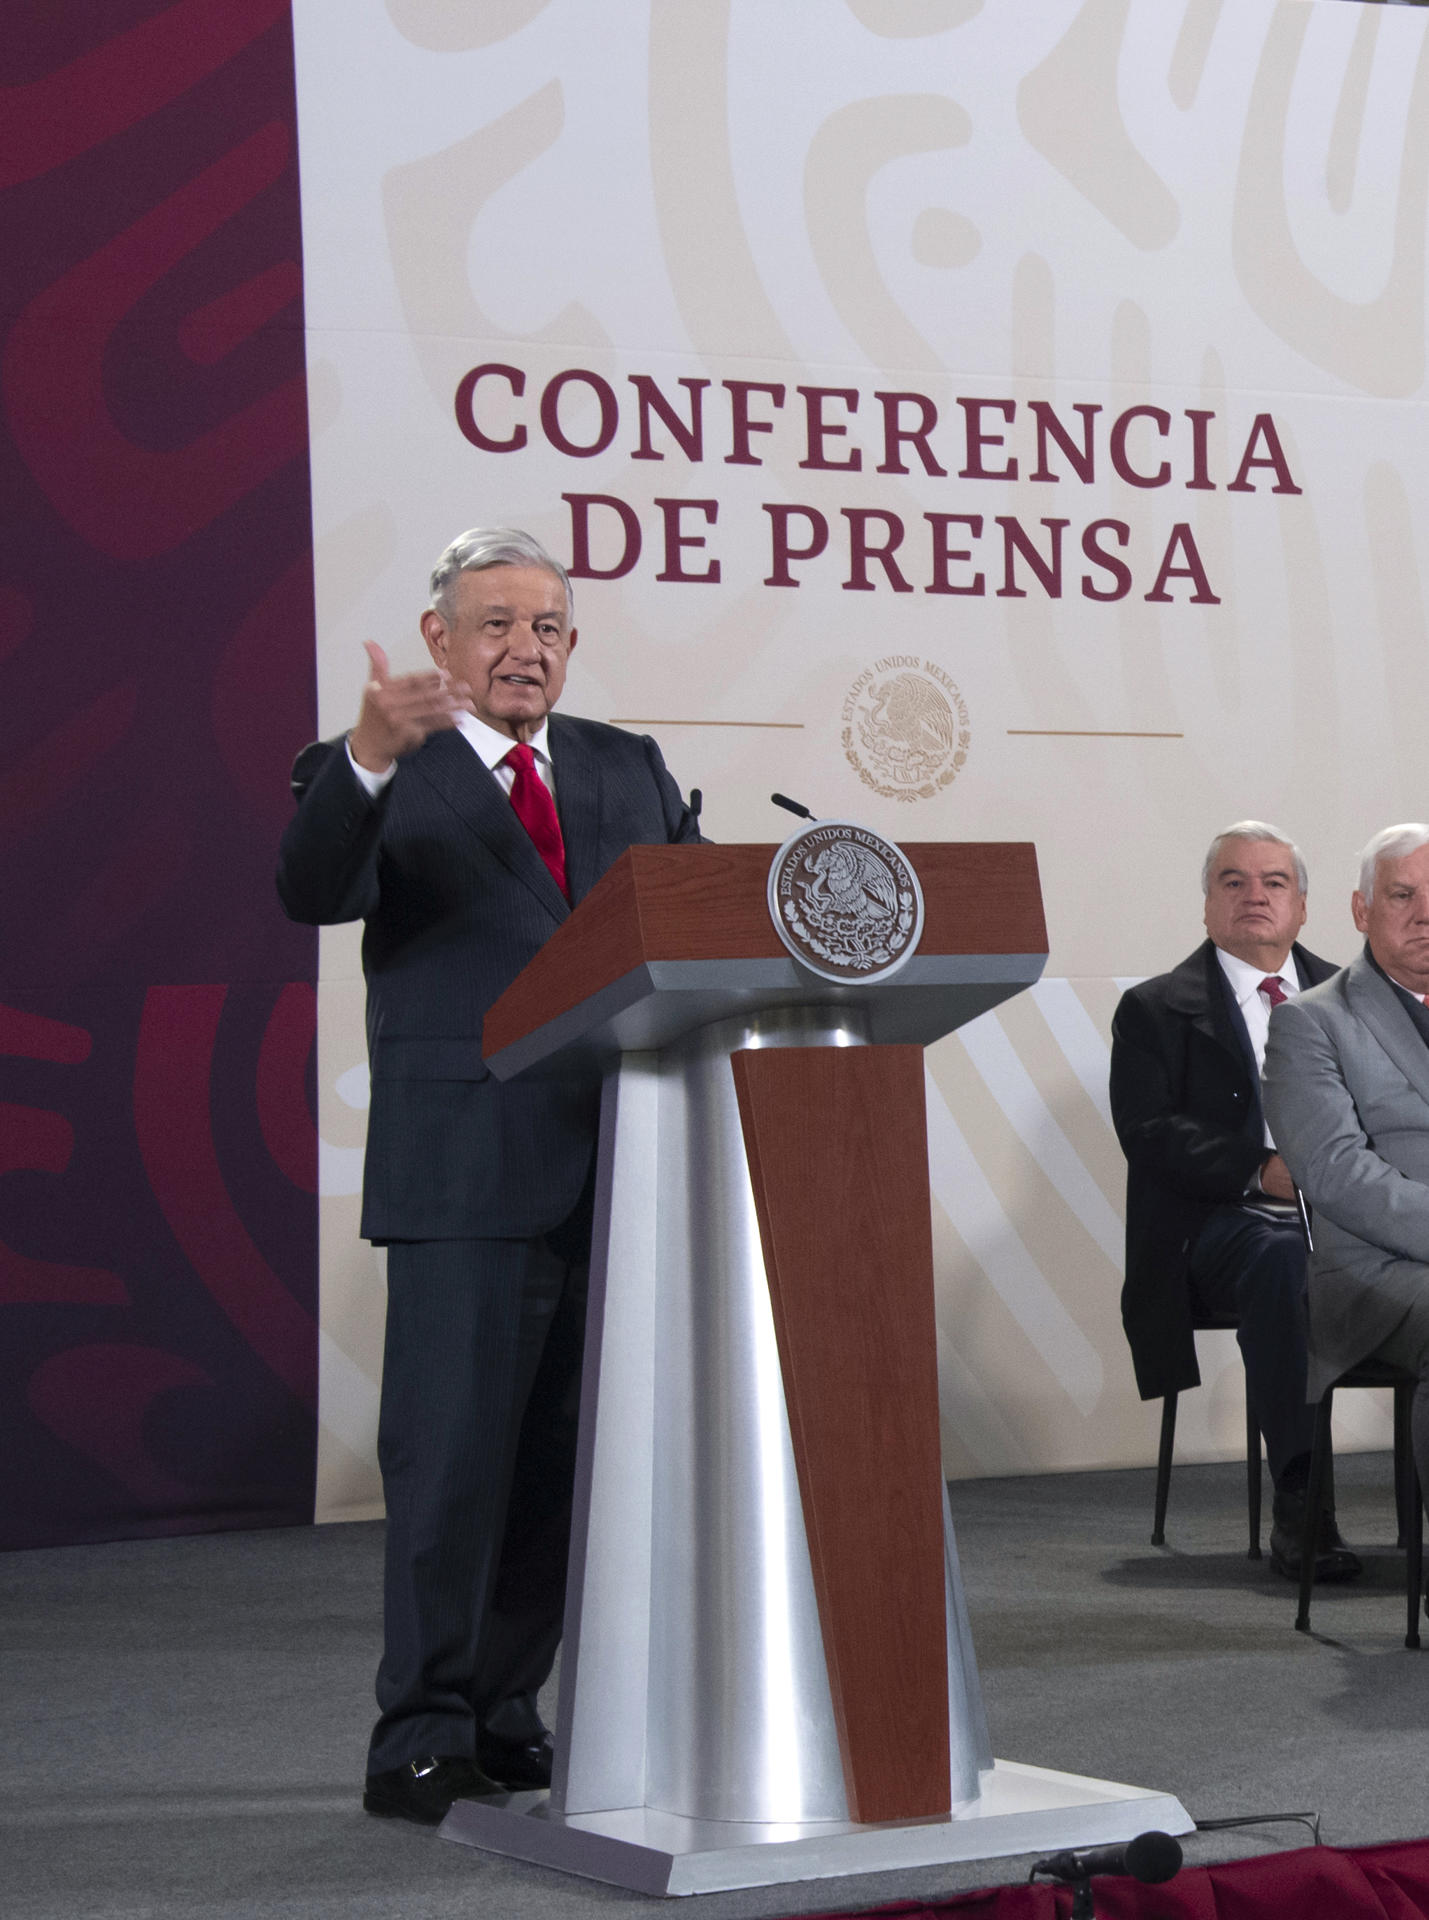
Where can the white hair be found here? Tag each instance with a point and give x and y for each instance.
(1392, 843)
(482, 547)
(1258, 830)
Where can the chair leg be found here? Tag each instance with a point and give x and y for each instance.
(1414, 1528)
(1403, 1464)
(1414, 1579)
(1314, 1503)
(1252, 1481)
(1163, 1469)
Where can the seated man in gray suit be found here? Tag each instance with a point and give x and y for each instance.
(461, 820)
(1347, 1092)
(1210, 1223)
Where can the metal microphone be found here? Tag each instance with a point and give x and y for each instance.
(791, 806)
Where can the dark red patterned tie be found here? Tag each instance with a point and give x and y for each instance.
(536, 810)
(1270, 986)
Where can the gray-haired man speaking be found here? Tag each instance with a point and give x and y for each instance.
(1347, 1092)
(461, 819)
(1209, 1220)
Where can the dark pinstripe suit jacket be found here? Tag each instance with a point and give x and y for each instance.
(456, 901)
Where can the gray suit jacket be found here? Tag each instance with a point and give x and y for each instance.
(1347, 1098)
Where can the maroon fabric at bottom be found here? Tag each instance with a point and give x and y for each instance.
(1312, 1883)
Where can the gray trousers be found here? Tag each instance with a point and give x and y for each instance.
(1408, 1346)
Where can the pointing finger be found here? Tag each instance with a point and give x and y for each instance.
(377, 660)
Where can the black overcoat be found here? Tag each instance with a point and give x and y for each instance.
(1185, 1100)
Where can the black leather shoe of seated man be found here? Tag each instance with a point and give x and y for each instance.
(1333, 1559)
(424, 1789)
(516, 1763)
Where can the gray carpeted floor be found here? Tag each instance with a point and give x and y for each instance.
(184, 1721)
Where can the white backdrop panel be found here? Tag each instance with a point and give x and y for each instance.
(1116, 255)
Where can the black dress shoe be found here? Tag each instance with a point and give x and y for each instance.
(424, 1789)
(1333, 1559)
(517, 1763)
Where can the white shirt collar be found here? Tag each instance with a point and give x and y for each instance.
(1403, 989)
(492, 747)
(1245, 979)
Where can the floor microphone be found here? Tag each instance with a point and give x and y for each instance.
(1150, 1857)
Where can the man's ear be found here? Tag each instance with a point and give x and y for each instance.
(434, 632)
(571, 641)
(1360, 909)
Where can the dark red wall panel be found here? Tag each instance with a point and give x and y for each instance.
(158, 1224)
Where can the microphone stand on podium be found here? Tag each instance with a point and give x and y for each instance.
(767, 1673)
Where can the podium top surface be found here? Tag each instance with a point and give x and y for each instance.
(672, 937)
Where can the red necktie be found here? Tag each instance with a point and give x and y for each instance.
(536, 810)
(1270, 986)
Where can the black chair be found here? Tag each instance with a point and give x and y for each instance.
(1408, 1503)
(1205, 1323)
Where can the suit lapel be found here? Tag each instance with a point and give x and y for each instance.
(1200, 995)
(449, 764)
(1236, 1021)
(1378, 1005)
(1312, 970)
(577, 803)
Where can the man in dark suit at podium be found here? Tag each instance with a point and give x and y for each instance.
(1210, 1216)
(461, 820)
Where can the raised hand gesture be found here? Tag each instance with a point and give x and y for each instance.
(399, 711)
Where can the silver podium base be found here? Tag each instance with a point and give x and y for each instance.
(1018, 1810)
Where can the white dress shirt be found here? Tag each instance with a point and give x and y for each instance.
(1423, 999)
(1254, 1007)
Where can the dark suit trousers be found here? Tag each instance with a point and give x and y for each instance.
(476, 1441)
(1253, 1265)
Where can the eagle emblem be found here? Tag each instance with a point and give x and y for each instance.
(846, 901)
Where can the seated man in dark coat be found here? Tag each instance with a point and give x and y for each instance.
(1210, 1215)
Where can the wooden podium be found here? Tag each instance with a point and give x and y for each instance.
(767, 1672)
